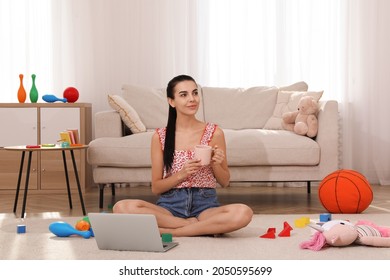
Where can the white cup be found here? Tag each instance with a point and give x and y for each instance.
(203, 152)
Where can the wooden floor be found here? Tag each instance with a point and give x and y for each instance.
(263, 199)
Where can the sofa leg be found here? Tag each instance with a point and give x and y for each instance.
(308, 187)
(101, 195)
(113, 189)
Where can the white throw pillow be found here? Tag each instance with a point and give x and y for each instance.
(287, 101)
(128, 115)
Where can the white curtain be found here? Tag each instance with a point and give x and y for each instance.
(337, 46)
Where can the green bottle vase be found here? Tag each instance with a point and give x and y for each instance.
(33, 91)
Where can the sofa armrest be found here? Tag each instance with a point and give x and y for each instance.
(328, 133)
(108, 124)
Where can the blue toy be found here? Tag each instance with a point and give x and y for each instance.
(63, 229)
(52, 98)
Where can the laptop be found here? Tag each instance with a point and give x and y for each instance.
(128, 232)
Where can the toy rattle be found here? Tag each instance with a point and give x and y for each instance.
(63, 229)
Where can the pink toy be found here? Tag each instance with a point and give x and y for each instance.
(342, 233)
(63, 229)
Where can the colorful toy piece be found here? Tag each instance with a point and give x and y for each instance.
(20, 229)
(286, 230)
(302, 222)
(325, 217)
(166, 237)
(63, 229)
(269, 234)
(71, 94)
(52, 98)
(22, 95)
(82, 225)
(345, 191)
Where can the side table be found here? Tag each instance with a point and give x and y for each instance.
(38, 148)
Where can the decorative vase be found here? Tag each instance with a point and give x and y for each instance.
(33, 91)
(21, 92)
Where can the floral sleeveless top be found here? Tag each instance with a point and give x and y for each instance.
(204, 178)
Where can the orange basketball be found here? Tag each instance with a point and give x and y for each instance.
(345, 191)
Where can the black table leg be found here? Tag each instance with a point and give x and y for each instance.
(78, 182)
(19, 181)
(67, 179)
(26, 185)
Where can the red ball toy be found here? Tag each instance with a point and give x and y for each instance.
(71, 94)
(345, 191)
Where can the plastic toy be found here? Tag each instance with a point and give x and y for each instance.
(21, 92)
(63, 229)
(20, 229)
(52, 98)
(33, 90)
(166, 237)
(286, 230)
(302, 222)
(82, 225)
(345, 191)
(340, 233)
(71, 94)
(269, 234)
(325, 217)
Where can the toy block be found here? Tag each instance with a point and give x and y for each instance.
(286, 230)
(325, 217)
(302, 222)
(21, 229)
(166, 237)
(270, 233)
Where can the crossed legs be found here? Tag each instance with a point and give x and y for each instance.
(216, 220)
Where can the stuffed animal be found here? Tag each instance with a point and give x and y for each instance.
(343, 233)
(304, 120)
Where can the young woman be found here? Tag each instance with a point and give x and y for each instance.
(188, 204)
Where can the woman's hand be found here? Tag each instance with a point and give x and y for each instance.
(189, 168)
(218, 156)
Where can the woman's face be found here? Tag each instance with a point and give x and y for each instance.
(186, 97)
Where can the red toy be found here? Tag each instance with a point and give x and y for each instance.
(345, 191)
(71, 94)
(270, 233)
(286, 230)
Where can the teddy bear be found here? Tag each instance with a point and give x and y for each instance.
(341, 233)
(303, 121)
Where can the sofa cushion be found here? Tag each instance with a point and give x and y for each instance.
(151, 104)
(265, 147)
(128, 151)
(244, 148)
(287, 101)
(128, 115)
(239, 108)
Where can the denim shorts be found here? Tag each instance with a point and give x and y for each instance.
(188, 202)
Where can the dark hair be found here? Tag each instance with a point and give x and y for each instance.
(169, 146)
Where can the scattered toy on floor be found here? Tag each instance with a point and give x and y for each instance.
(343, 233)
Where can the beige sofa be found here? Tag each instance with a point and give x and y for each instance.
(258, 149)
